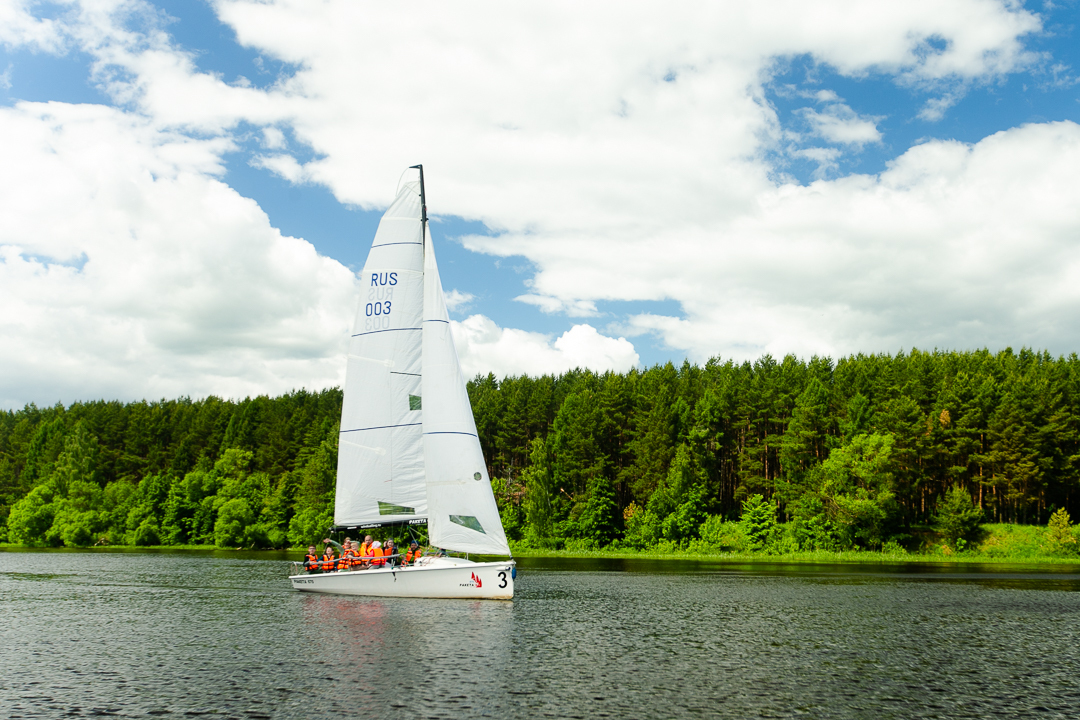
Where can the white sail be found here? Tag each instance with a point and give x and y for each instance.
(462, 515)
(380, 455)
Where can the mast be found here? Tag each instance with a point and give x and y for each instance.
(423, 199)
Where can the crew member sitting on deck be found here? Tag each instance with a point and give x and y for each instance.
(329, 563)
(375, 553)
(311, 560)
(351, 556)
(364, 548)
(390, 552)
(414, 553)
(342, 563)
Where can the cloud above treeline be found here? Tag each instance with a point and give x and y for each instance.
(630, 154)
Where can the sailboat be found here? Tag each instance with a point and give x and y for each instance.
(408, 451)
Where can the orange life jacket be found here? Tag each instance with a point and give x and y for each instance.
(376, 554)
(413, 555)
(311, 562)
(351, 559)
(328, 563)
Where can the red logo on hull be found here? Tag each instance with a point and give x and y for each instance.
(477, 580)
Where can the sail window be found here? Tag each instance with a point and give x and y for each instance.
(414, 402)
(468, 521)
(386, 508)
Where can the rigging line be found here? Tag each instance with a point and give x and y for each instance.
(380, 427)
(372, 332)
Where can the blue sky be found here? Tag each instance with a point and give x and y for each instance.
(820, 109)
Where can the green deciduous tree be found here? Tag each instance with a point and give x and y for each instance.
(850, 495)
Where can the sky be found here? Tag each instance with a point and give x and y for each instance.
(188, 189)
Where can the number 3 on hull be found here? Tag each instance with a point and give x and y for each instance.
(408, 451)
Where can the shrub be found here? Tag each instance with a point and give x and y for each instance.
(147, 533)
(723, 534)
(1060, 539)
(957, 517)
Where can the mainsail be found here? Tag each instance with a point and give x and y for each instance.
(380, 454)
(409, 448)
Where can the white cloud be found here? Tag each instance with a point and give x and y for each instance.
(273, 138)
(935, 108)
(457, 300)
(20, 28)
(285, 166)
(127, 270)
(838, 123)
(484, 347)
(549, 304)
(826, 159)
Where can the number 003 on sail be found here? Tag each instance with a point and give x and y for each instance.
(408, 451)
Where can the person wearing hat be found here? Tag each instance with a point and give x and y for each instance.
(375, 553)
(413, 553)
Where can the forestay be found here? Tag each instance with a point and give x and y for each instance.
(380, 456)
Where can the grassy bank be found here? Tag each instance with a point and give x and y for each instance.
(861, 557)
(994, 543)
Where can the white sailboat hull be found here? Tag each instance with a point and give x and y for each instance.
(432, 577)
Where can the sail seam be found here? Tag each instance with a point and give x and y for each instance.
(372, 332)
(381, 427)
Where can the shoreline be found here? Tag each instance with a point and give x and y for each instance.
(847, 557)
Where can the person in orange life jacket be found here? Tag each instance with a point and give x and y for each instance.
(342, 562)
(390, 552)
(329, 562)
(364, 548)
(352, 556)
(414, 553)
(375, 554)
(311, 560)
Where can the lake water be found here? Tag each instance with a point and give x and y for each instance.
(186, 634)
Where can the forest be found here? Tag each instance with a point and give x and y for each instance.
(867, 452)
